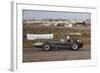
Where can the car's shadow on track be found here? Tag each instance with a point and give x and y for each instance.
(40, 49)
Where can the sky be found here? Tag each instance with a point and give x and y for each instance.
(40, 14)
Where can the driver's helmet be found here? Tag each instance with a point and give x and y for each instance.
(68, 37)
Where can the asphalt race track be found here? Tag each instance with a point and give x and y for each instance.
(37, 55)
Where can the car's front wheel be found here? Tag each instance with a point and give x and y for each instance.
(46, 47)
(75, 46)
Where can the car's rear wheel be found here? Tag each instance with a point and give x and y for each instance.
(46, 47)
(75, 46)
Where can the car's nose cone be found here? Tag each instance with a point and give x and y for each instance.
(38, 45)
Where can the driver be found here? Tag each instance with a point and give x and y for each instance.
(68, 38)
(62, 40)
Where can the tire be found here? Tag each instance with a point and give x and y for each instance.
(46, 47)
(75, 46)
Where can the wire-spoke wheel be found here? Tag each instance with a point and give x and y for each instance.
(75, 46)
(46, 47)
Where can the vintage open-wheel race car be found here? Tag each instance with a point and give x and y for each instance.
(53, 44)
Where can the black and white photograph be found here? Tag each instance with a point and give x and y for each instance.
(56, 35)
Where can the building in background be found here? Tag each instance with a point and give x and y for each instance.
(58, 23)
